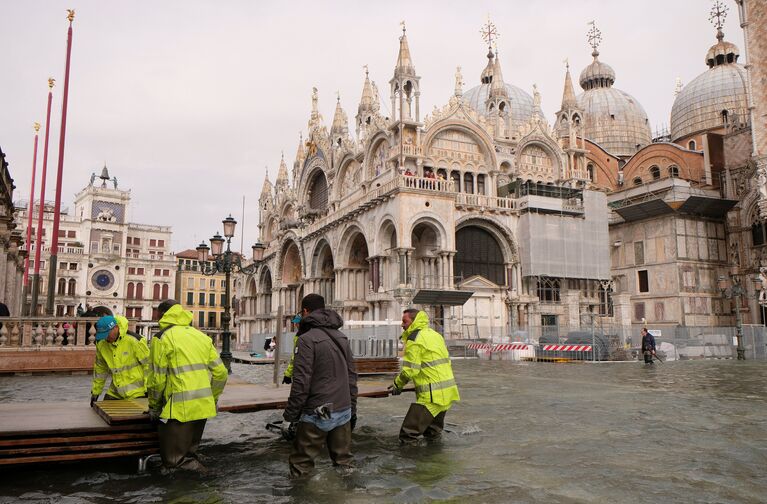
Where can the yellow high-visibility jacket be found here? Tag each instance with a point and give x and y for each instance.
(182, 360)
(289, 369)
(126, 360)
(427, 363)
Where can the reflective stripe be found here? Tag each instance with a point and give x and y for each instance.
(188, 367)
(436, 362)
(101, 376)
(131, 386)
(217, 384)
(410, 364)
(215, 364)
(126, 368)
(190, 395)
(435, 386)
(158, 370)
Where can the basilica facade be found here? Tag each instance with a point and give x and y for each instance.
(538, 225)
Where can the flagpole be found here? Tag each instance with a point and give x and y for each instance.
(59, 175)
(28, 239)
(39, 242)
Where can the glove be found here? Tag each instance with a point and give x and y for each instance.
(393, 390)
(353, 421)
(94, 398)
(287, 380)
(290, 432)
(154, 416)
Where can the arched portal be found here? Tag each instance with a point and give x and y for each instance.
(478, 253)
(291, 278)
(355, 276)
(323, 272)
(426, 270)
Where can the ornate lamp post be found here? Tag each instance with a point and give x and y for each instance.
(225, 261)
(735, 291)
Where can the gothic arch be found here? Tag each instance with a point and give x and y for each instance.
(376, 161)
(348, 168)
(552, 151)
(432, 220)
(501, 233)
(323, 253)
(290, 239)
(387, 236)
(480, 137)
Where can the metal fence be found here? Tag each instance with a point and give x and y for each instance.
(370, 341)
(684, 343)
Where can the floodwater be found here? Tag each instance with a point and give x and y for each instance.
(691, 431)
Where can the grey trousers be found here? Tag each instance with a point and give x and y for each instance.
(420, 422)
(179, 442)
(308, 444)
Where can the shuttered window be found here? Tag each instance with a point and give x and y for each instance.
(318, 197)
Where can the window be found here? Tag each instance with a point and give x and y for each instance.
(62, 286)
(223, 299)
(165, 288)
(605, 300)
(673, 171)
(201, 299)
(131, 290)
(73, 266)
(644, 283)
(655, 172)
(139, 291)
(71, 234)
(140, 271)
(72, 287)
(189, 298)
(202, 283)
(165, 272)
(223, 284)
(62, 233)
(136, 240)
(157, 272)
(548, 289)
(468, 183)
(691, 145)
(638, 252)
(455, 177)
(478, 253)
(637, 181)
(212, 299)
(212, 283)
(160, 243)
(156, 292)
(131, 271)
(152, 243)
(201, 319)
(757, 233)
(590, 171)
(212, 319)
(480, 184)
(190, 283)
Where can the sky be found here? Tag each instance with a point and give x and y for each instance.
(189, 102)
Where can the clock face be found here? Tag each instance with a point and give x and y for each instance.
(103, 280)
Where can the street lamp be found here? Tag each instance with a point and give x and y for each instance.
(227, 262)
(735, 292)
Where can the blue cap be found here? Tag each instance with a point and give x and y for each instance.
(103, 326)
(296, 319)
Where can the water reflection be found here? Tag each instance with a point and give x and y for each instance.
(678, 432)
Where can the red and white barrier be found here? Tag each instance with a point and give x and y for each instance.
(498, 348)
(567, 348)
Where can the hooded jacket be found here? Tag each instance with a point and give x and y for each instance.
(427, 364)
(186, 375)
(323, 367)
(126, 361)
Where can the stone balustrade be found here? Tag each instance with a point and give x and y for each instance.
(29, 333)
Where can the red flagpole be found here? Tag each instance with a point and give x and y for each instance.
(39, 242)
(30, 211)
(57, 209)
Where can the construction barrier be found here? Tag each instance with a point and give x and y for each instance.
(499, 347)
(566, 348)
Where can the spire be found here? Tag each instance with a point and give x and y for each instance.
(266, 189)
(404, 61)
(497, 86)
(568, 95)
(300, 153)
(316, 118)
(367, 100)
(340, 121)
(282, 173)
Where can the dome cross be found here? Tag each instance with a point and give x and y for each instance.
(489, 33)
(594, 37)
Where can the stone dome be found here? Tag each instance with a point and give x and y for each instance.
(522, 107)
(612, 118)
(714, 96)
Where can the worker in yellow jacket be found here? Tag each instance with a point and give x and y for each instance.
(122, 355)
(426, 363)
(287, 378)
(186, 378)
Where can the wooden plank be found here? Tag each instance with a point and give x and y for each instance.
(49, 441)
(78, 456)
(87, 447)
(123, 410)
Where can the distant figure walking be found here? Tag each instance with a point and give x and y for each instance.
(648, 345)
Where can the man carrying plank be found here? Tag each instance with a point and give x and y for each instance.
(121, 354)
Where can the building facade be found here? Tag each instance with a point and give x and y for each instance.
(541, 226)
(203, 295)
(12, 254)
(105, 262)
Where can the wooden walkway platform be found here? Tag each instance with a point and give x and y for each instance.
(69, 431)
